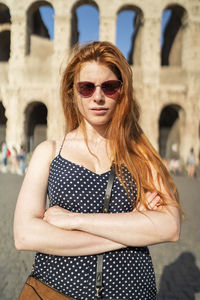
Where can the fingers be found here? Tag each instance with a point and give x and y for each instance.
(141, 208)
(150, 196)
(152, 202)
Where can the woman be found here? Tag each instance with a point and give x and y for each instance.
(191, 163)
(102, 127)
(4, 150)
(22, 160)
(14, 160)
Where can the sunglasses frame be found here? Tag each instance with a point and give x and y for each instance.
(100, 85)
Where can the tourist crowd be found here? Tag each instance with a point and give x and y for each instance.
(191, 168)
(16, 162)
(12, 160)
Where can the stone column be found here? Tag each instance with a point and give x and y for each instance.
(55, 118)
(15, 122)
(62, 32)
(150, 114)
(62, 35)
(190, 134)
(190, 62)
(107, 29)
(191, 44)
(150, 66)
(150, 48)
(107, 21)
(62, 40)
(18, 45)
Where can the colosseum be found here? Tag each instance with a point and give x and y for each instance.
(166, 77)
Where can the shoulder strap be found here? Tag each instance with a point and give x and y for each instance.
(99, 269)
(109, 189)
(62, 145)
(53, 153)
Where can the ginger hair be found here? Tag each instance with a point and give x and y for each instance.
(128, 143)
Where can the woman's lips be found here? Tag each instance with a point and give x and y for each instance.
(99, 110)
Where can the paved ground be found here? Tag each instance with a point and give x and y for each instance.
(177, 265)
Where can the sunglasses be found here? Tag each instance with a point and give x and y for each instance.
(86, 88)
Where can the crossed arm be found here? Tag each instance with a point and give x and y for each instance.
(60, 232)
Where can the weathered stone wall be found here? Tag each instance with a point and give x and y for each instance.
(35, 77)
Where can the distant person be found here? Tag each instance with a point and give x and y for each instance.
(175, 166)
(14, 160)
(22, 160)
(4, 149)
(191, 163)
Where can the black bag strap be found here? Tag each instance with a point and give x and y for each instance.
(99, 269)
(109, 189)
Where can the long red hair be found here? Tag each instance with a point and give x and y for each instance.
(129, 145)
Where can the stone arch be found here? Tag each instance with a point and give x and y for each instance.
(3, 121)
(172, 37)
(35, 125)
(171, 122)
(134, 54)
(4, 14)
(5, 22)
(74, 20)
(37, 34)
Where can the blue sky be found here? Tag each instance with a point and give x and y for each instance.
(88, 26)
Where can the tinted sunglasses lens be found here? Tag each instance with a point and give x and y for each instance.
(85, 89)
(111, 87)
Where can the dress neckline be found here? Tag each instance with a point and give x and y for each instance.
(81, 166)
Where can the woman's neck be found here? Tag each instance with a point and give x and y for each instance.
(94, 133)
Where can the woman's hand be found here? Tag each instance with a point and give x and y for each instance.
(60, 217)
(153, 202)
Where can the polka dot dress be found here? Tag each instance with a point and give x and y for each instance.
(127, 273)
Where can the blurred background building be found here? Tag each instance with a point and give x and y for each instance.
(165, 59)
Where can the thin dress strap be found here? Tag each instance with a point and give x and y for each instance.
(62, 145)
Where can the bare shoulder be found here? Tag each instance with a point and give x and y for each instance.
(45, 151)
(49, 149)
(45, 147)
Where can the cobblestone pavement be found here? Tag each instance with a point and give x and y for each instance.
(177, 265)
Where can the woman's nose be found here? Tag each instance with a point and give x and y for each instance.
(98, 94)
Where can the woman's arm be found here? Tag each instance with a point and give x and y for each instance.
(131, 229)
(31, 232)
(138, 228)
(141, 227)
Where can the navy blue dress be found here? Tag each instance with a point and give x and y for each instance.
(127, 273)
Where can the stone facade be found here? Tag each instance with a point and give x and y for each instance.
(166, 81)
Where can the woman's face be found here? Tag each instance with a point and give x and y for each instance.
(98, 108)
